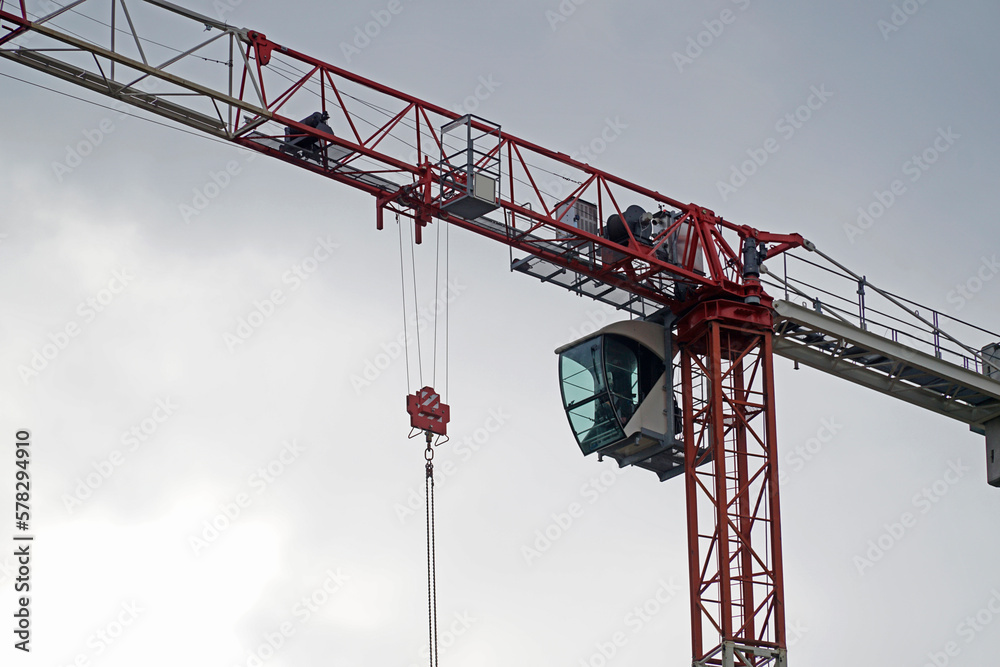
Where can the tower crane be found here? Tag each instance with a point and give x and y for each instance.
(685, 388)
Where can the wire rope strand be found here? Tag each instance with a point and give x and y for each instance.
(434, 303)
(447, 306)
(130, 115)
(416, 313)
(432, 630)
(402, 287)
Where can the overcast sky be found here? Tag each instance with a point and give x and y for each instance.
(99, 256)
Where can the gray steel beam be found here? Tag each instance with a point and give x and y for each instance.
(993, 452)
(183, 11)
(133, 96)
(969, 383)
(125, 61)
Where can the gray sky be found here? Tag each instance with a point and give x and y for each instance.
(339, 514)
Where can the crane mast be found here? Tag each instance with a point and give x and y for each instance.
(578, 227)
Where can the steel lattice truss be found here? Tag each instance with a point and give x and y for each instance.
(238, 85)
(734, 541)
(425, 162)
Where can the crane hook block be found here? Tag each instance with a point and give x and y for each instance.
(427, 412)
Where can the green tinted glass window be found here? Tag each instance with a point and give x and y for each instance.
(621, 365)
(585, 396)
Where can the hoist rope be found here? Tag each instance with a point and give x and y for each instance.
(416, 310)
(447, 311)
(432, 632)
(440, 305)
(434, 303)
(402, 285)
(416, 313)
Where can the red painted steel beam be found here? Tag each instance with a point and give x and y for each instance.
(718, 255)
(639, 267)
(734, 535)
(736, 583)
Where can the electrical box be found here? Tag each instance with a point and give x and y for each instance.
(993, 452)
(991, 361)
(580, 214)
(477, 197)
(484, 188)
